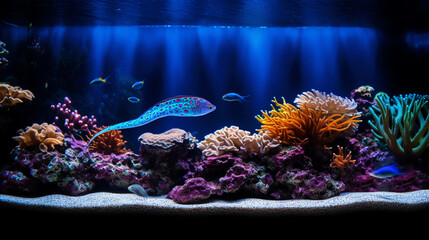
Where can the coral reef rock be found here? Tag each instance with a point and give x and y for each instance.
(194, 190)
(310, 184)
(70, 171)
(167, 158)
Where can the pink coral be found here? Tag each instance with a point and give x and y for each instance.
(71, 119)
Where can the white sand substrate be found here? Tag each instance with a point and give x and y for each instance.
(104, 202)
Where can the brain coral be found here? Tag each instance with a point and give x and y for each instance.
(10, 95)
(45, 136)
(233, 139)
(329, 103)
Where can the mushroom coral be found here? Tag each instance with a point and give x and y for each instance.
(402, 123)
(293, 126)
(11, 95)
(44, 136)
(107, 143)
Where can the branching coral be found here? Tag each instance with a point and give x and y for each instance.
(404, 124)
(341, 161)
(44, 136)
(71, 119)
(107, 143)
(11, 95)
(294, 126)
(233, 139)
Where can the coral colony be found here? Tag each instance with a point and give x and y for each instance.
(320, 147)
(72, 120)
(12, 95)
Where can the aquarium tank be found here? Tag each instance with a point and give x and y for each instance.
(193, 102)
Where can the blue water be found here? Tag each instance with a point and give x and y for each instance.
(205, 61)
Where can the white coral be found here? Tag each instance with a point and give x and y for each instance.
(166, 139)
(233, 139)
(329, 103)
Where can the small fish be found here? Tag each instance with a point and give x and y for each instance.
(99, 81)
(231, 97)
(133, 99)
(137, 189)
(138, 85)
(386, 172)
(46, 85)
(30, 25)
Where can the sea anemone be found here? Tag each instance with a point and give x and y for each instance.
(293, 126)
(107, 143)
(403, 123)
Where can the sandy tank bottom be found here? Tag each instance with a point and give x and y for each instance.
(104, 202)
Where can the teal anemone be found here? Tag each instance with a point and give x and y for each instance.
(402, 123)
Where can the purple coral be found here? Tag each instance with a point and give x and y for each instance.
(71, 119)
(223, 174)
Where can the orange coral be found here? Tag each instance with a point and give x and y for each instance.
(10, 95)
(45, 136)
(295, 126)
(109, 142)
(341, 161)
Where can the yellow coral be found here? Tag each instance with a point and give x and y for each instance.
(44, 136)
(10, 95)
(295, 126)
